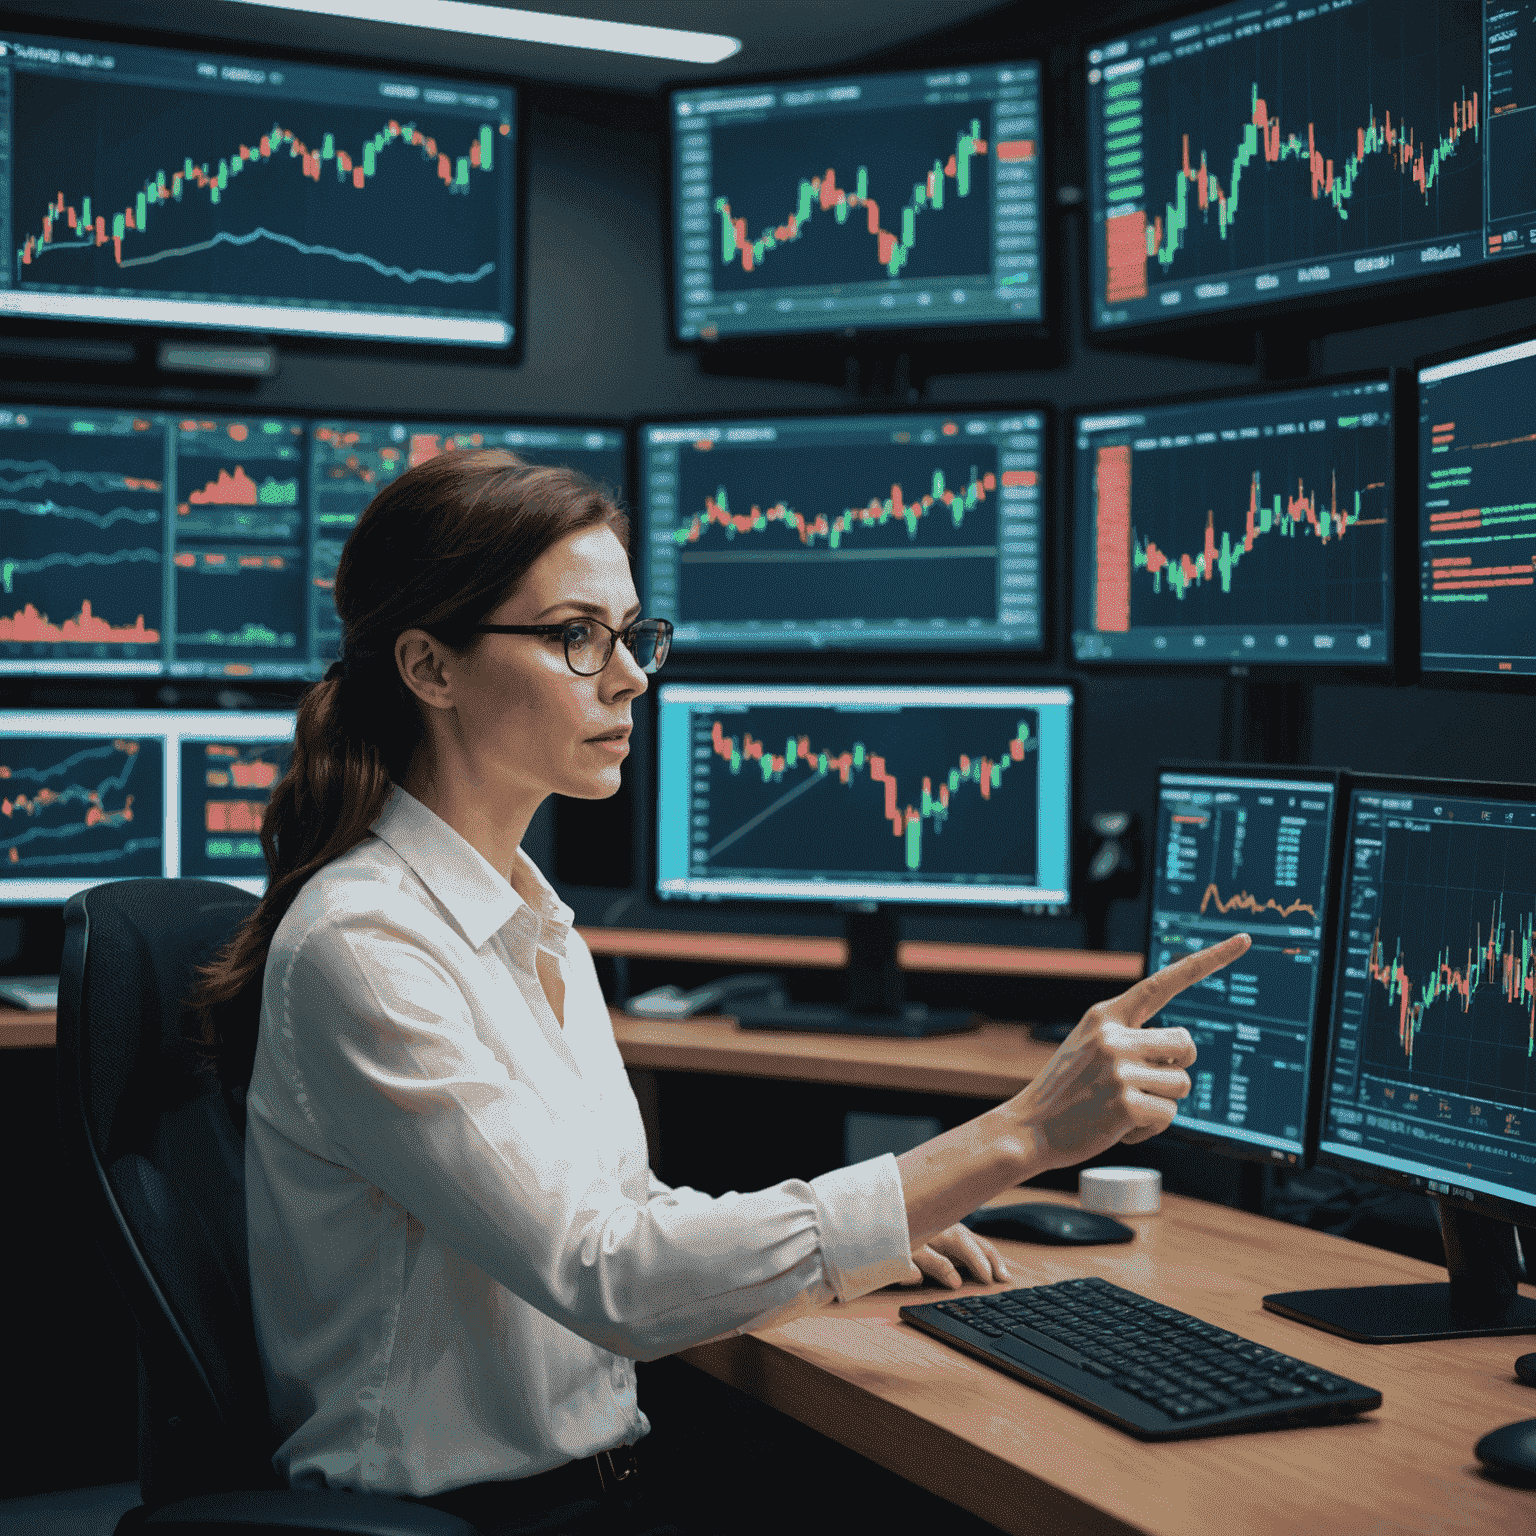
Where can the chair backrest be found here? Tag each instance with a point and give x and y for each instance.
(157, 1152)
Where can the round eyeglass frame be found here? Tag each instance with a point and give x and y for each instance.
(662, 628)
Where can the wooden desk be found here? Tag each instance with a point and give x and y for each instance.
(22, 1027)
(992, 1062)
(1028, 1463)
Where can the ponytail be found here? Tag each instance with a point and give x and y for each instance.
(437, 549)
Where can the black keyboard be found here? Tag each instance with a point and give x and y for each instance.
(1146, 1368)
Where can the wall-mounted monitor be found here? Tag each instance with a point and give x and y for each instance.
(954, 796)
(1248, 852)
(92, 795)
(864, 203)
(1253, 529)
(868, 532)
(1242, 159)
(205, 545)
(181, 187)
(1477, 513)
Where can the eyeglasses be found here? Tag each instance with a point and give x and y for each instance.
(587, 651)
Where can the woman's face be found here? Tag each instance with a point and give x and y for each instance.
(525, 723)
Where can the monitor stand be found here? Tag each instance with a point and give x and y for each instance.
(1480, 1299)
(876, 1002)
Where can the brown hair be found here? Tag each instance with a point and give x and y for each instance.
(437, 549)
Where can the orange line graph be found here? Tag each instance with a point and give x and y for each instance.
(1246, 903)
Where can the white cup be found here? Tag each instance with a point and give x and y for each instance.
(1121, 1191)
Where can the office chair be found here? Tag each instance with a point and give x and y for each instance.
(156, 1162)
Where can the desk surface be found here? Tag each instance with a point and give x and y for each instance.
(1026, 1462)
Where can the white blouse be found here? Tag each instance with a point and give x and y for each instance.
(457, 1247)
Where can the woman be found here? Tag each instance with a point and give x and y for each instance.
(457, 1248)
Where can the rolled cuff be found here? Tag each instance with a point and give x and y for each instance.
(863, 1216)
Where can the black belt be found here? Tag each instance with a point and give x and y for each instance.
(608, 1477)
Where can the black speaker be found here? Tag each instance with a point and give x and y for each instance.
(1108, 868)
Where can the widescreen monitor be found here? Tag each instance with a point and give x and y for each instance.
(205, 545)
(1248, 851)
(845, 794)
(1252, 157)
(917, 530)
(1253, 529)
(1477, 513)
(178, 186)
(94, 795)
(867, 203)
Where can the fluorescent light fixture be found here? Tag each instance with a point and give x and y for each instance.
(524, 27)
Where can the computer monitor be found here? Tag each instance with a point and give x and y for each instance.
(1244, 162)
(863, 798)
(351, 460)
(871, 532)
(1248, 851)
(865, 203)
(1254, 528)
(1477, 519)
(156, 186)
(93, 795)
(1430, 1084)
(205, 545)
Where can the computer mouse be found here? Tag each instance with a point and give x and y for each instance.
(1510, 1452)
(1039, 1221)
(1525, 1369)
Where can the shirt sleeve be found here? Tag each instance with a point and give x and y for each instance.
(415, 1103)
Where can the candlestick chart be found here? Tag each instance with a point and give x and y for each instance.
(140, 189)
(905, 531)
(856, 197)
(225, 788)
(1477, 520)
(82, 531)
(936, 794)
(80, 807)
(1441, 936)
(241, 551)
(1350, 133)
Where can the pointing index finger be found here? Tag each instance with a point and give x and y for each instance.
(1149, 997)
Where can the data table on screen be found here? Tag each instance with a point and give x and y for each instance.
(1251, 529)
(1246, 853)
(884, 200)
(1477, 513)
(1240, 160)
(165, 186)
(1433, 1073)
(865, 532)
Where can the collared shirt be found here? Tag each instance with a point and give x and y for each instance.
(457, 1247)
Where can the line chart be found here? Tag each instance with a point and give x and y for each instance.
(1241, 901)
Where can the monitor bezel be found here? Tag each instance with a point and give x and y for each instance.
(827, 906)
(145, 337)
(1399, 549)
(1239, 327)
(201, 686)
(986, 344)
(1321, 1010)
(1444, 1190)
(986, 658)
(1444, 677)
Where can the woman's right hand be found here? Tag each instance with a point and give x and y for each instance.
(1111, 1080)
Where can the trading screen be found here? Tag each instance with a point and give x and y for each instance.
(95, 795)
(159, 186)
(872, 531)
(1477, 513)
(205, 546)
(1253, 529)
(1432, 1076)
(1245, 853)
(884, 794)
(1243, 157)
(876, 201)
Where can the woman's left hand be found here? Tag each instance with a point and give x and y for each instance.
(952, 1250)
